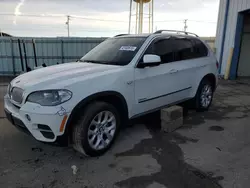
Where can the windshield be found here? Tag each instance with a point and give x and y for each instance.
(115, 51)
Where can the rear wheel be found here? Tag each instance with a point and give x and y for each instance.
(97, 129)
(204, 96)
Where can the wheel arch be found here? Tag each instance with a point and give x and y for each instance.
(112, 97)
(212, 78)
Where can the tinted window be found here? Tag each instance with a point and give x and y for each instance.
(162, 48)
(115, 51)
(183, 49)
(199, 48)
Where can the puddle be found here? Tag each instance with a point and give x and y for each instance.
(216, 128)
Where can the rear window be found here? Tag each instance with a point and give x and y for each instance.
(200, 49)
(185, 49)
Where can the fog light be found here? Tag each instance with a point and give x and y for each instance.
(28, 117)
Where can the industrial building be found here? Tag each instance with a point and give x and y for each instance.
(233, 38)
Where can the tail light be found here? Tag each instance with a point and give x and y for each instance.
(217, 64)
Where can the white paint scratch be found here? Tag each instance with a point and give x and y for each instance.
(17, 10)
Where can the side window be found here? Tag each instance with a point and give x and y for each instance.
(163, 48)
(199, 48)
(183, 49)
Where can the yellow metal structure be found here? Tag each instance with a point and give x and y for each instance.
(229, 61)
(143, 1)
(140, 15)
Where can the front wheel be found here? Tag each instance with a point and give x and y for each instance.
(97, 129)
(204, 96)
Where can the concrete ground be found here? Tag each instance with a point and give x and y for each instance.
(211, 150)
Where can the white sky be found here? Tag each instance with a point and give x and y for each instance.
(201, 15)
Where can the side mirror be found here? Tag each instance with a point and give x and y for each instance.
(150, 60)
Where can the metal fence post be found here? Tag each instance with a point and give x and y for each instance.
(20, 53)
(34, 51)
(13, 58)
(62, 55)
(25, 56)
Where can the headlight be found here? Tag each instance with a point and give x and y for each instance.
(50, 97)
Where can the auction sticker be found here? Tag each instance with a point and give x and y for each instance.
(128, 48)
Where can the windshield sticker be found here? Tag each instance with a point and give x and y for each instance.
(128, 48)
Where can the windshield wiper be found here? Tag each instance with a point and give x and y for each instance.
(99, 62)
(93, 61)
(86, 61)
(79, 60)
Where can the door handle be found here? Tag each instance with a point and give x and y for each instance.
(172, 71)
(202, 66)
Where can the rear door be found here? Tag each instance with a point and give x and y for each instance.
(202, 63)
(183, 56)
(194, 62)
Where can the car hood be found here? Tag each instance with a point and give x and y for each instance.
(59, 75)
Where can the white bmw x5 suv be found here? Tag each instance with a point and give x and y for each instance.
(122, 78)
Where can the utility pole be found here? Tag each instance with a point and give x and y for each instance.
(152, 15)
(185, 25)
(67, 23)
(130, 14)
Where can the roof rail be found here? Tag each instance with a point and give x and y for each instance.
(176, 31)
(121, 35)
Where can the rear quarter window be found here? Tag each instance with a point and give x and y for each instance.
(200, 49)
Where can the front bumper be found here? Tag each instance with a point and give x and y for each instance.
(43, 123)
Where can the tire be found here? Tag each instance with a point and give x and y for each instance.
(87, 132)
(204, 96)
